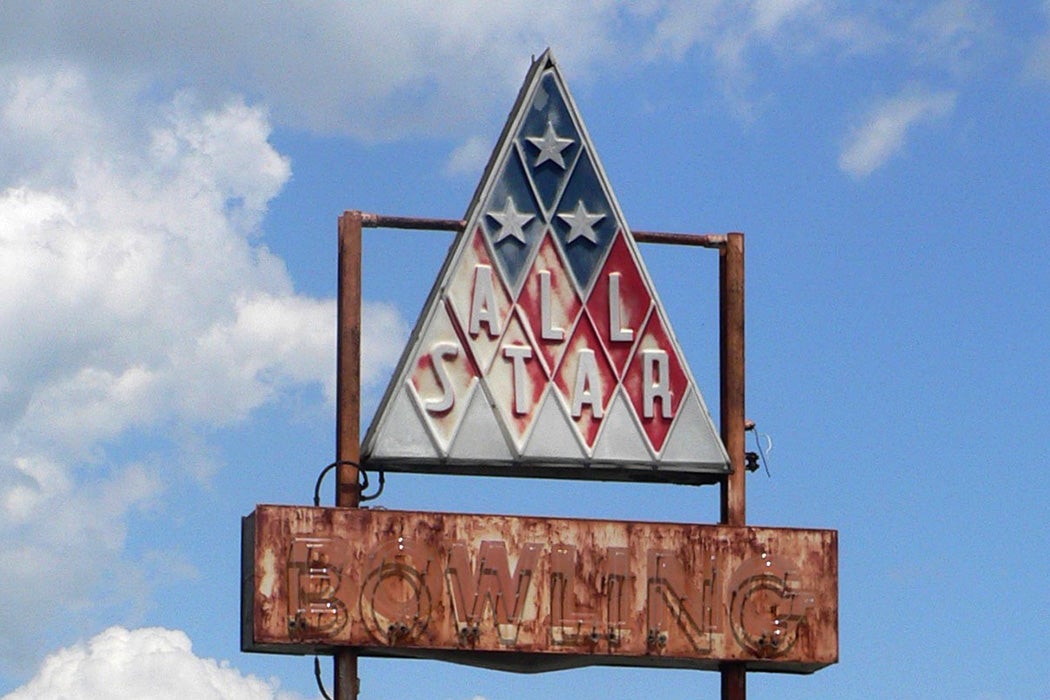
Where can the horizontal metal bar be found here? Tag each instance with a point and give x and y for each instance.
(704, 240)
(411, 222)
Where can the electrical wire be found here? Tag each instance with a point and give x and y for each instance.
(320, 682)
(362, 486)
(761, 452)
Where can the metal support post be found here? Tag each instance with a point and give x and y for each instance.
(731, 347)
(348, 405)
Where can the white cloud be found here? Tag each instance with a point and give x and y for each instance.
(374, 70)
(731, 32)
(134, 294)
(885, 128)
(60, 539)
(380, 71)
(770, 15)
(387, 70)
(470, 157)
(142, 664)
(113, 280)
(383, 336)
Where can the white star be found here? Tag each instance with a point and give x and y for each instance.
(550, 145)
(511, 220)
(582, 223)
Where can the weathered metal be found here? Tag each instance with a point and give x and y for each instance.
(535, 594)
(348, 361)
(733, 415)
(731, 350)
(372, 220)
(421, 223)
(348, 405)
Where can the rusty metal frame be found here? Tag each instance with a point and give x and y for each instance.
(731, 353)
(348, 406)
(733, 417)
(368, 220)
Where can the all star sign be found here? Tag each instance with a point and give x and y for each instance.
(543, 349)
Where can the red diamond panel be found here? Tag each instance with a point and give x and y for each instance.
(517, 380)
(586, 381)
(549, 302)
(480, 300)
(619, 303)
(655, 381)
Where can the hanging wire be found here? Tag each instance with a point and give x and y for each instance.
(362, 485)
(761, 452)
(320, 478)
(320, 682)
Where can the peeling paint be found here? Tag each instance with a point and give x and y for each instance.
(268, 564)
(531, 594)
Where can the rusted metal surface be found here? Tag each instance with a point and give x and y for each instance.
(733, 416)
(348, 405)
(536, 594)
(411, 222)
(420, 223)
(348, 361)
(731, 349)
(734, 680)
(703, 240)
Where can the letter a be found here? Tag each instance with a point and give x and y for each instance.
(588, 389)
(483, 303)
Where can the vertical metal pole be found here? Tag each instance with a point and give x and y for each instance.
(731, 345)
(348, 404)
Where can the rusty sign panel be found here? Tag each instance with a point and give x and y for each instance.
(543, 349)
(537, 594)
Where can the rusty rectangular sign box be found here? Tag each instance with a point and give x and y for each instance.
(538, 594)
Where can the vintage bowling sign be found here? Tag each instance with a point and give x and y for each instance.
(538, 594)
(543, 349)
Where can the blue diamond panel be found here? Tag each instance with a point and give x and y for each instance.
(512, 221)
(584, 223)
(549, 141)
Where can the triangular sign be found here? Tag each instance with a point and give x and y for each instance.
(543, 349)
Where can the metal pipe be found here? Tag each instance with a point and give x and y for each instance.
(704, 240)
(411, 222)
(731, 350)
(348, 404)
(734, 681)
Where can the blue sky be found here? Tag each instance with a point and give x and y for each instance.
(170, 179)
